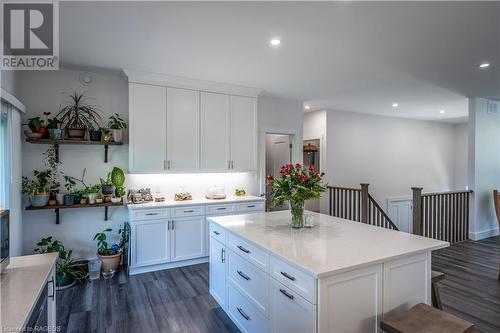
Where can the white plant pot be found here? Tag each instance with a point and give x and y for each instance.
(60, 198)
(91, 197)
(117, 135)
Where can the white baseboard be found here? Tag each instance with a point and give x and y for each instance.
(152, 268)
(483, 234)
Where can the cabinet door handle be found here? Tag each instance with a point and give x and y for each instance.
(232, 164)
(221, 208)
(216, 232)
(223, 255)
(151, 214)
(173, 224)
(288, 276)
(243, 249)
(53, 289)
(286, 293)
(164, 164)
(243, 275)
(251, 206)
(243, 314)
(189, 211)
(168, 225)
(229, 164)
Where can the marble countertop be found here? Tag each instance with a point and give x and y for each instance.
(195, 201)
(20, 286)
(332, 246)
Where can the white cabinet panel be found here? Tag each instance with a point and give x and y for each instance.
(150, 242)
(406, 283)
(217, 272)
(243, 133)
(215, 125)
(183, 129)
(148, 128)
(188, 236)
(290, 313)
(352, 301)
(244, 314)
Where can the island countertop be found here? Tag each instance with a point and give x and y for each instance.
(21, 285)
(332, 246)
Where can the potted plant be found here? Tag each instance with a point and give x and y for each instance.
(95, 133)
(117, 125)
(77, 197)
(37, 188)
(78, 116)
(92, 192)
(118, 180)
(69, 185)
(111, 256)
(107, 187)
(296, 185)
(34, 124)
(98, 198)
(55, 132)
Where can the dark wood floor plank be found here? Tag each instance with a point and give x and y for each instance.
(470, 288)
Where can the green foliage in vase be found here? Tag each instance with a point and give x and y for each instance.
(296, 183)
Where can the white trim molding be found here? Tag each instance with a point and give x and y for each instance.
(483, 234)
(11, 99)
(187, 83)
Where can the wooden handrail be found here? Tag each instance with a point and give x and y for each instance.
(344, 188)
(447, 192)
(386, 220)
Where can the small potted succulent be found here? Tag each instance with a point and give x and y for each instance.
(110, 256)
(37, 188)
(92, 192)
(95, 133)
(78, 116)
(117, 125)
(99, 198)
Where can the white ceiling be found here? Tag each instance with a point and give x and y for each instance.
(354, 56)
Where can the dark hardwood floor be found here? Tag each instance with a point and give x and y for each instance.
(175, 300)
(470, 288)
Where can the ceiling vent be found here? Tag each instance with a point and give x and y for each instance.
(492, 107)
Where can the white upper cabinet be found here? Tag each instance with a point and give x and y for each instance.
(215, 132)
(148, 128)
(183, 129)
(243, 133)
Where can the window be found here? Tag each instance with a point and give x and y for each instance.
(4, 155)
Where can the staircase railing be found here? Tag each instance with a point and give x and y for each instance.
(442, 215)
(358, 205)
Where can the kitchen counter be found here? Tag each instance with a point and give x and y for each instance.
(195, 201)
(333, 245)
(22, 283)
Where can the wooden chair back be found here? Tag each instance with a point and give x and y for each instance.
(496, 200)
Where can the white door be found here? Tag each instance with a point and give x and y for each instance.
(183, 134)
(217, 269)
(215, 115)
(150, 243)
(400, 212)
(290, 312)
(243, 133)
(188, 238)
(148, 131)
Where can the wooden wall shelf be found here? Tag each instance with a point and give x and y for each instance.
(57, 207)
(56, 143)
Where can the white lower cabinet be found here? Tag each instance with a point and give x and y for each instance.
(217, 270)
(290, 313)
(244, 314)
(187, 236)
(150, 242)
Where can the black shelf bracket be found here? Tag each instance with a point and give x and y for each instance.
(106, 159)
(57, 215)
(56, 148)
(106, 212)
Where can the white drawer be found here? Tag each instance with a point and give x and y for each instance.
(249, 280)
(248, 251)
(291, 276)
(251, 206)
(217, 232)
(186, 211)
(150, 214)
(244, 314)
(223, 209)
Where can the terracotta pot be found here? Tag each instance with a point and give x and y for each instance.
(75, 133)
(44, 131)
(110, 262)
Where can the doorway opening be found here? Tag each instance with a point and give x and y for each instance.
(311, 158)
(278, 153)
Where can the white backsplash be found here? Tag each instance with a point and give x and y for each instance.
(194, 183)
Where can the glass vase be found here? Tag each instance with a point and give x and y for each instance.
(297, 208)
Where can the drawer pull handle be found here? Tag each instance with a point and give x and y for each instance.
(286, 293)
(243, 275)
(223, 255)
(151, 214)
(189, 211)
(53, 289)
(221, 208)
(216, 232)
(243, 249)
(251, 206)
(243, 314)
(288, 276)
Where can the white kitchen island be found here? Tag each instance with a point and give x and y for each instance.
(339, 276)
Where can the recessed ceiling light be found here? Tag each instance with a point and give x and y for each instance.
(275, 42)
(307, 107)
(442, 111)
(484, 65)
(395, 105)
